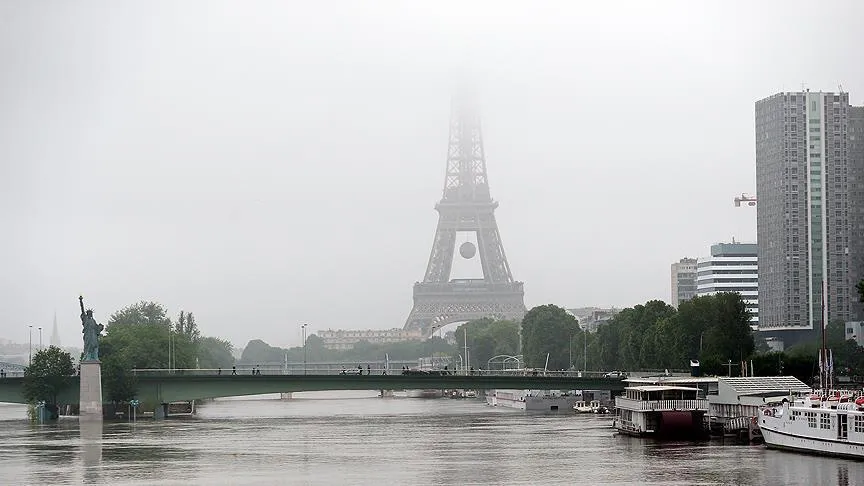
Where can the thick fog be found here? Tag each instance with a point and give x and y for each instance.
(267, 164)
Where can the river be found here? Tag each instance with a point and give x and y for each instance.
(357, 438)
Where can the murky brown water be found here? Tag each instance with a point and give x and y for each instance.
(356, 438)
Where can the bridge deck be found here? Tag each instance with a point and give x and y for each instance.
(163, 387)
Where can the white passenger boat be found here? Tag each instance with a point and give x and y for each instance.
(428, 393)
(533, 400)
(661, 411)
(826, 421)
(582, 407)
(829, 424)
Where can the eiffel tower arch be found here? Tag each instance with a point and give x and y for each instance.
(466, 207)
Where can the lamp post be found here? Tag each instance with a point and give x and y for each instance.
(570, 351)
(585, 353)
(303, 328)
(170, 347)
(40, 339)
(467, 361)
(30, 352)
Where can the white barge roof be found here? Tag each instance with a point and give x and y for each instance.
(650, 388)
(756, 385)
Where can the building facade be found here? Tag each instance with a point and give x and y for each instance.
(855, 331)
(856, 207)
(591, 318)
(348, 338)
(803, 229)
(732, 267)
(683, 281)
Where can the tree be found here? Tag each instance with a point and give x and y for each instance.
(215, 353)
(47, 375)
(137, 336)
(546, 330)
(142, 313)
(186, 327)
(487, 338)
(860, 287)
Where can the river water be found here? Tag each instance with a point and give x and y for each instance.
(356, 438)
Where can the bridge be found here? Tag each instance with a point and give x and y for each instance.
(162, 386)
(12, 369)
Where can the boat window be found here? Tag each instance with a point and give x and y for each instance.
(824, 421)
(859, 424)
(811, 419)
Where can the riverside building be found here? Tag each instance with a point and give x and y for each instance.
(732, 267)
(803, 224)
(683, 281)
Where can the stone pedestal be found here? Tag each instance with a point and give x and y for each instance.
(90, 403)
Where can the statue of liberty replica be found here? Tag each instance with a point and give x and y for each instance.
(90, 405)
(91, 330)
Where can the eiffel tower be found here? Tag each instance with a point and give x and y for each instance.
(465, 208)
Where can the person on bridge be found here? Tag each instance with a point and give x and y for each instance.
(360, 369)
(368, 370)
(234, 370)
(2, 373)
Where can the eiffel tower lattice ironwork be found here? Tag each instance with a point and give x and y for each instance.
(466, 207)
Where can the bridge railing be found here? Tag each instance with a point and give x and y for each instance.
(252, 370)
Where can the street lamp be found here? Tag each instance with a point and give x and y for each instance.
(30, 352)
(40, 339)
(303, 327)
(585, 353)
(467, 360)
(570, 351)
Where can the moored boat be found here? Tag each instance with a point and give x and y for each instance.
(661, 411)
(827, 424)
(582, 407)
(427, 393)
(533, 400)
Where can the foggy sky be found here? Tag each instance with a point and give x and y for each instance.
(266, 164)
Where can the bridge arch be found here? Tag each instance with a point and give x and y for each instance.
(505, 361)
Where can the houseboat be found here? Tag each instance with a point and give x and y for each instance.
(733, 409)
(533, 400)
(661, 411)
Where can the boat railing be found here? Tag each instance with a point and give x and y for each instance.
(661, 405)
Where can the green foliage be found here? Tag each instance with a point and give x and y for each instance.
(713, 328)
(141, 335)
(487, 338)
(187, 327)
(257, 351)
(547, 329)
(142, 313)
(860, 287)
(47, 375)
(215, 353)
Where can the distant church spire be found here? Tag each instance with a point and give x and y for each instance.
(55, 336)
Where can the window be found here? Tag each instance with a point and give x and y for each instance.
(859, 424)
(811, 416)
(824, 421)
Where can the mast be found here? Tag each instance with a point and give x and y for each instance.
(823, 351)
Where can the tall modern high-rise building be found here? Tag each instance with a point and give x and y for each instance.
(803, 224)
(856, 206)
(683, 281)
(732, 267)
